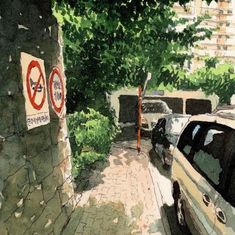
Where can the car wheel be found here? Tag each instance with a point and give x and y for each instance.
(153, 144)
(179, 209)
(165, 165)
(180, 212)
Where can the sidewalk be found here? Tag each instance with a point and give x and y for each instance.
(121, 199)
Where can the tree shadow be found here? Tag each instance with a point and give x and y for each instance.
(102, 218)
(90, 177)
(107, 218)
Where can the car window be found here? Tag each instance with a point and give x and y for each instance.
(176, 124)
(228, 190)
(203, 144)
(210, 136)
(230, 195)
(159, 131)
(209, 165)
(209, 156)
(188, 139)
(195, 130)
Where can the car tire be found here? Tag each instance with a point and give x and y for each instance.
(165, 165)
(153, 144)
(180, 212)
(179, 209)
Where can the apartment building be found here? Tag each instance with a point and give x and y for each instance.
(222, 21)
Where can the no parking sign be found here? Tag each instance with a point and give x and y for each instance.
(57, 91)
(35, 91)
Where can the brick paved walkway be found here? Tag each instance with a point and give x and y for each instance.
(120, 199)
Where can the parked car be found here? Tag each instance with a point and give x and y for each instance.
(203, 175)
(152, 110)
(166, 133)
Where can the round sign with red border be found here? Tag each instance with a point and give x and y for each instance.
(56, 88)
(35, 85)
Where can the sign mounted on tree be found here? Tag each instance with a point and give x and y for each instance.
(35, 91)
(57, 91)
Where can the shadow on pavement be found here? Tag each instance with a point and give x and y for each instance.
(109, 218)
(103, 218)
(91, 177)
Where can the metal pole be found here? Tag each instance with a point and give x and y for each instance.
(139, 118)
(149, 76)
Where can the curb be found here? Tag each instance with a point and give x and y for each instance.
(160, 203)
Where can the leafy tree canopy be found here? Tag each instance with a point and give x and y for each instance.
(113, 43)
(214, 78)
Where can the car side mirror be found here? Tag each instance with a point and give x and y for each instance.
(171, 149)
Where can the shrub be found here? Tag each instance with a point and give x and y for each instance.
(91, 135)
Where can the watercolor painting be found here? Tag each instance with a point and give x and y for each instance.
(117, 117)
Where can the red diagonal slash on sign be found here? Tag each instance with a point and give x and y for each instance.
(57, 107)
(35, 64)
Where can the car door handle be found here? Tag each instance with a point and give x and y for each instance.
(220, 215)
(206, 199)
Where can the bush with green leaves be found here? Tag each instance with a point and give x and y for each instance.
(91, 135)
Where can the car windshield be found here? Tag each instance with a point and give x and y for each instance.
(176, 124)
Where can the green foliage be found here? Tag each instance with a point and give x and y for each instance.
(91, 135)
(110, 44)
(214, 78)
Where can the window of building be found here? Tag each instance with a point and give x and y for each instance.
(221, 12)
(227, 24)
(225, 48)
(220, 23)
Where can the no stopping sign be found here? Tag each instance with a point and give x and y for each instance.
(57, 90)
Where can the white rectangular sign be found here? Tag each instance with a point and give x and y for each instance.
(35, 91)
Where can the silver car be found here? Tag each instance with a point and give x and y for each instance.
(165, 135)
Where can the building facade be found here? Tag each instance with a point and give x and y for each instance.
(222, 22)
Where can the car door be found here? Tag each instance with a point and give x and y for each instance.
(225, 206)
(199, 195)
(225, 214)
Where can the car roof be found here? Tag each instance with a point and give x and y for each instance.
(226, 119)
(177, 115)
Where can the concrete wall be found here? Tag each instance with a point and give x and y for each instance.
(36, 194)
(128, 108)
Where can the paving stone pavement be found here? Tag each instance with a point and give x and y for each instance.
(120, 198)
